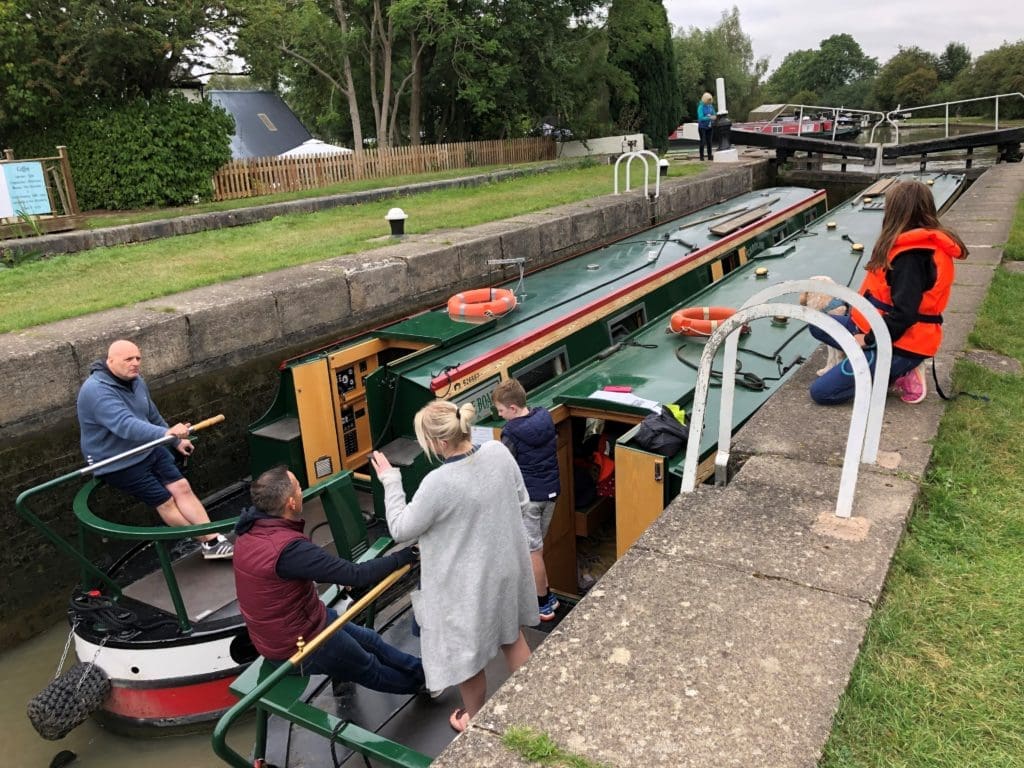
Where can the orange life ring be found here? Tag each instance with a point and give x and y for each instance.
(699, 321)
(481, 303)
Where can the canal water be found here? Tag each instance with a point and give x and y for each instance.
(28, 669)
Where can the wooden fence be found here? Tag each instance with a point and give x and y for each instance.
(264, 175)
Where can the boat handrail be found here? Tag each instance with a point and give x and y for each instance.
(865, 398)
(159, 534)
(62, 544)
(128, 532)
(353, 737)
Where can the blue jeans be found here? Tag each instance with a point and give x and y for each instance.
(359, 655)
(837, 385)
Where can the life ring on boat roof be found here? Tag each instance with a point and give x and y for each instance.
(699, 321)
(481, 303)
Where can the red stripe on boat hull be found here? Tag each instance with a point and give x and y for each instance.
(171, 704)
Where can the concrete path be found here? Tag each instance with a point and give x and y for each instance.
(726, 635)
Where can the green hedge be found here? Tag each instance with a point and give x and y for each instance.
(148, 152)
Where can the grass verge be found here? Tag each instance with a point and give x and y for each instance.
(940, 680)
(96, 220)
(72, 285)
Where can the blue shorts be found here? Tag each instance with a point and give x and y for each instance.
(148, 480)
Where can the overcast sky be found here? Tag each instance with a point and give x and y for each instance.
(777, 27)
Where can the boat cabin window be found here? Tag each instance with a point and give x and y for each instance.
(542, 370)
(621, 326)
(730, 261)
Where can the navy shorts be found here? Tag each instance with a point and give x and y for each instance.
(148, 480)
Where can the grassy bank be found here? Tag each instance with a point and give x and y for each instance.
(98, 219)
(76, 284)
(940, 681)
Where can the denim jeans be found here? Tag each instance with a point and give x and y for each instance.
(359, 655)
(837, 385)
(706, 140)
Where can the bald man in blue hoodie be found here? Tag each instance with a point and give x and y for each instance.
(116, 414)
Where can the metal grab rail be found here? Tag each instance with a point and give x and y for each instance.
(376, 747)
(858, 424)
(883, 344)
(69, 549)
(893, 115)
(629, 157)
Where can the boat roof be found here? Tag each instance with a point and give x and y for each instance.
(564, 293)
(658, 367)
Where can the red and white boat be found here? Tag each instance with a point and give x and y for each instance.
(811, 127)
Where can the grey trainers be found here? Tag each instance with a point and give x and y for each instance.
(217, 549)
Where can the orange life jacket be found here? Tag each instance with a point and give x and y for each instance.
(923, 337)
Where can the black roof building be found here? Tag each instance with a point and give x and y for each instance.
(264, 125)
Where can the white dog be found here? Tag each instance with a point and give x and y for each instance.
(820, 302)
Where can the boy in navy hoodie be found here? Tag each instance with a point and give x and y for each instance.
(530, 435)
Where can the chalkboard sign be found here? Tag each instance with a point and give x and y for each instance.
(23, 190)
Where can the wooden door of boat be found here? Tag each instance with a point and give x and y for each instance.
(640, 492)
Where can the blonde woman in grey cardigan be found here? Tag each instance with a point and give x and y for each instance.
(476, 582)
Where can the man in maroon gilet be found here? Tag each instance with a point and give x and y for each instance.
(276, 566)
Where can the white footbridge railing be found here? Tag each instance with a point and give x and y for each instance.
(869, 396)
(642, 154)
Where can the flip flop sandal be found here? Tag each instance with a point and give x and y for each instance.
(459, 720)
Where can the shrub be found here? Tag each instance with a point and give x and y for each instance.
(148, 152)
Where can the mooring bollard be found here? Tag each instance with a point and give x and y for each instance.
(396, 217)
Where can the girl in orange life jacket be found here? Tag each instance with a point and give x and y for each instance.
(909, 276)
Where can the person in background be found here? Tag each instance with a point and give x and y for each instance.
(909, 278)
(706, 117)
(276, 570)
(116, 414)
(529, 434)
(477, 587)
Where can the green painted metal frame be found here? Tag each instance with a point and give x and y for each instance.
(277, 690)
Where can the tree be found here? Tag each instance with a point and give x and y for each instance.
(998, 71)
(833, 74)
(60, 56)
(892, 88)
(640, 47)
(302, 40)
(722, 51)
(841, 62)
(954, 60)
(795, 74)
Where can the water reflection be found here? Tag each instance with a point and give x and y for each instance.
(28, 669)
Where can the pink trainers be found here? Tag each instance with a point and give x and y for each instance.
(912, 385)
